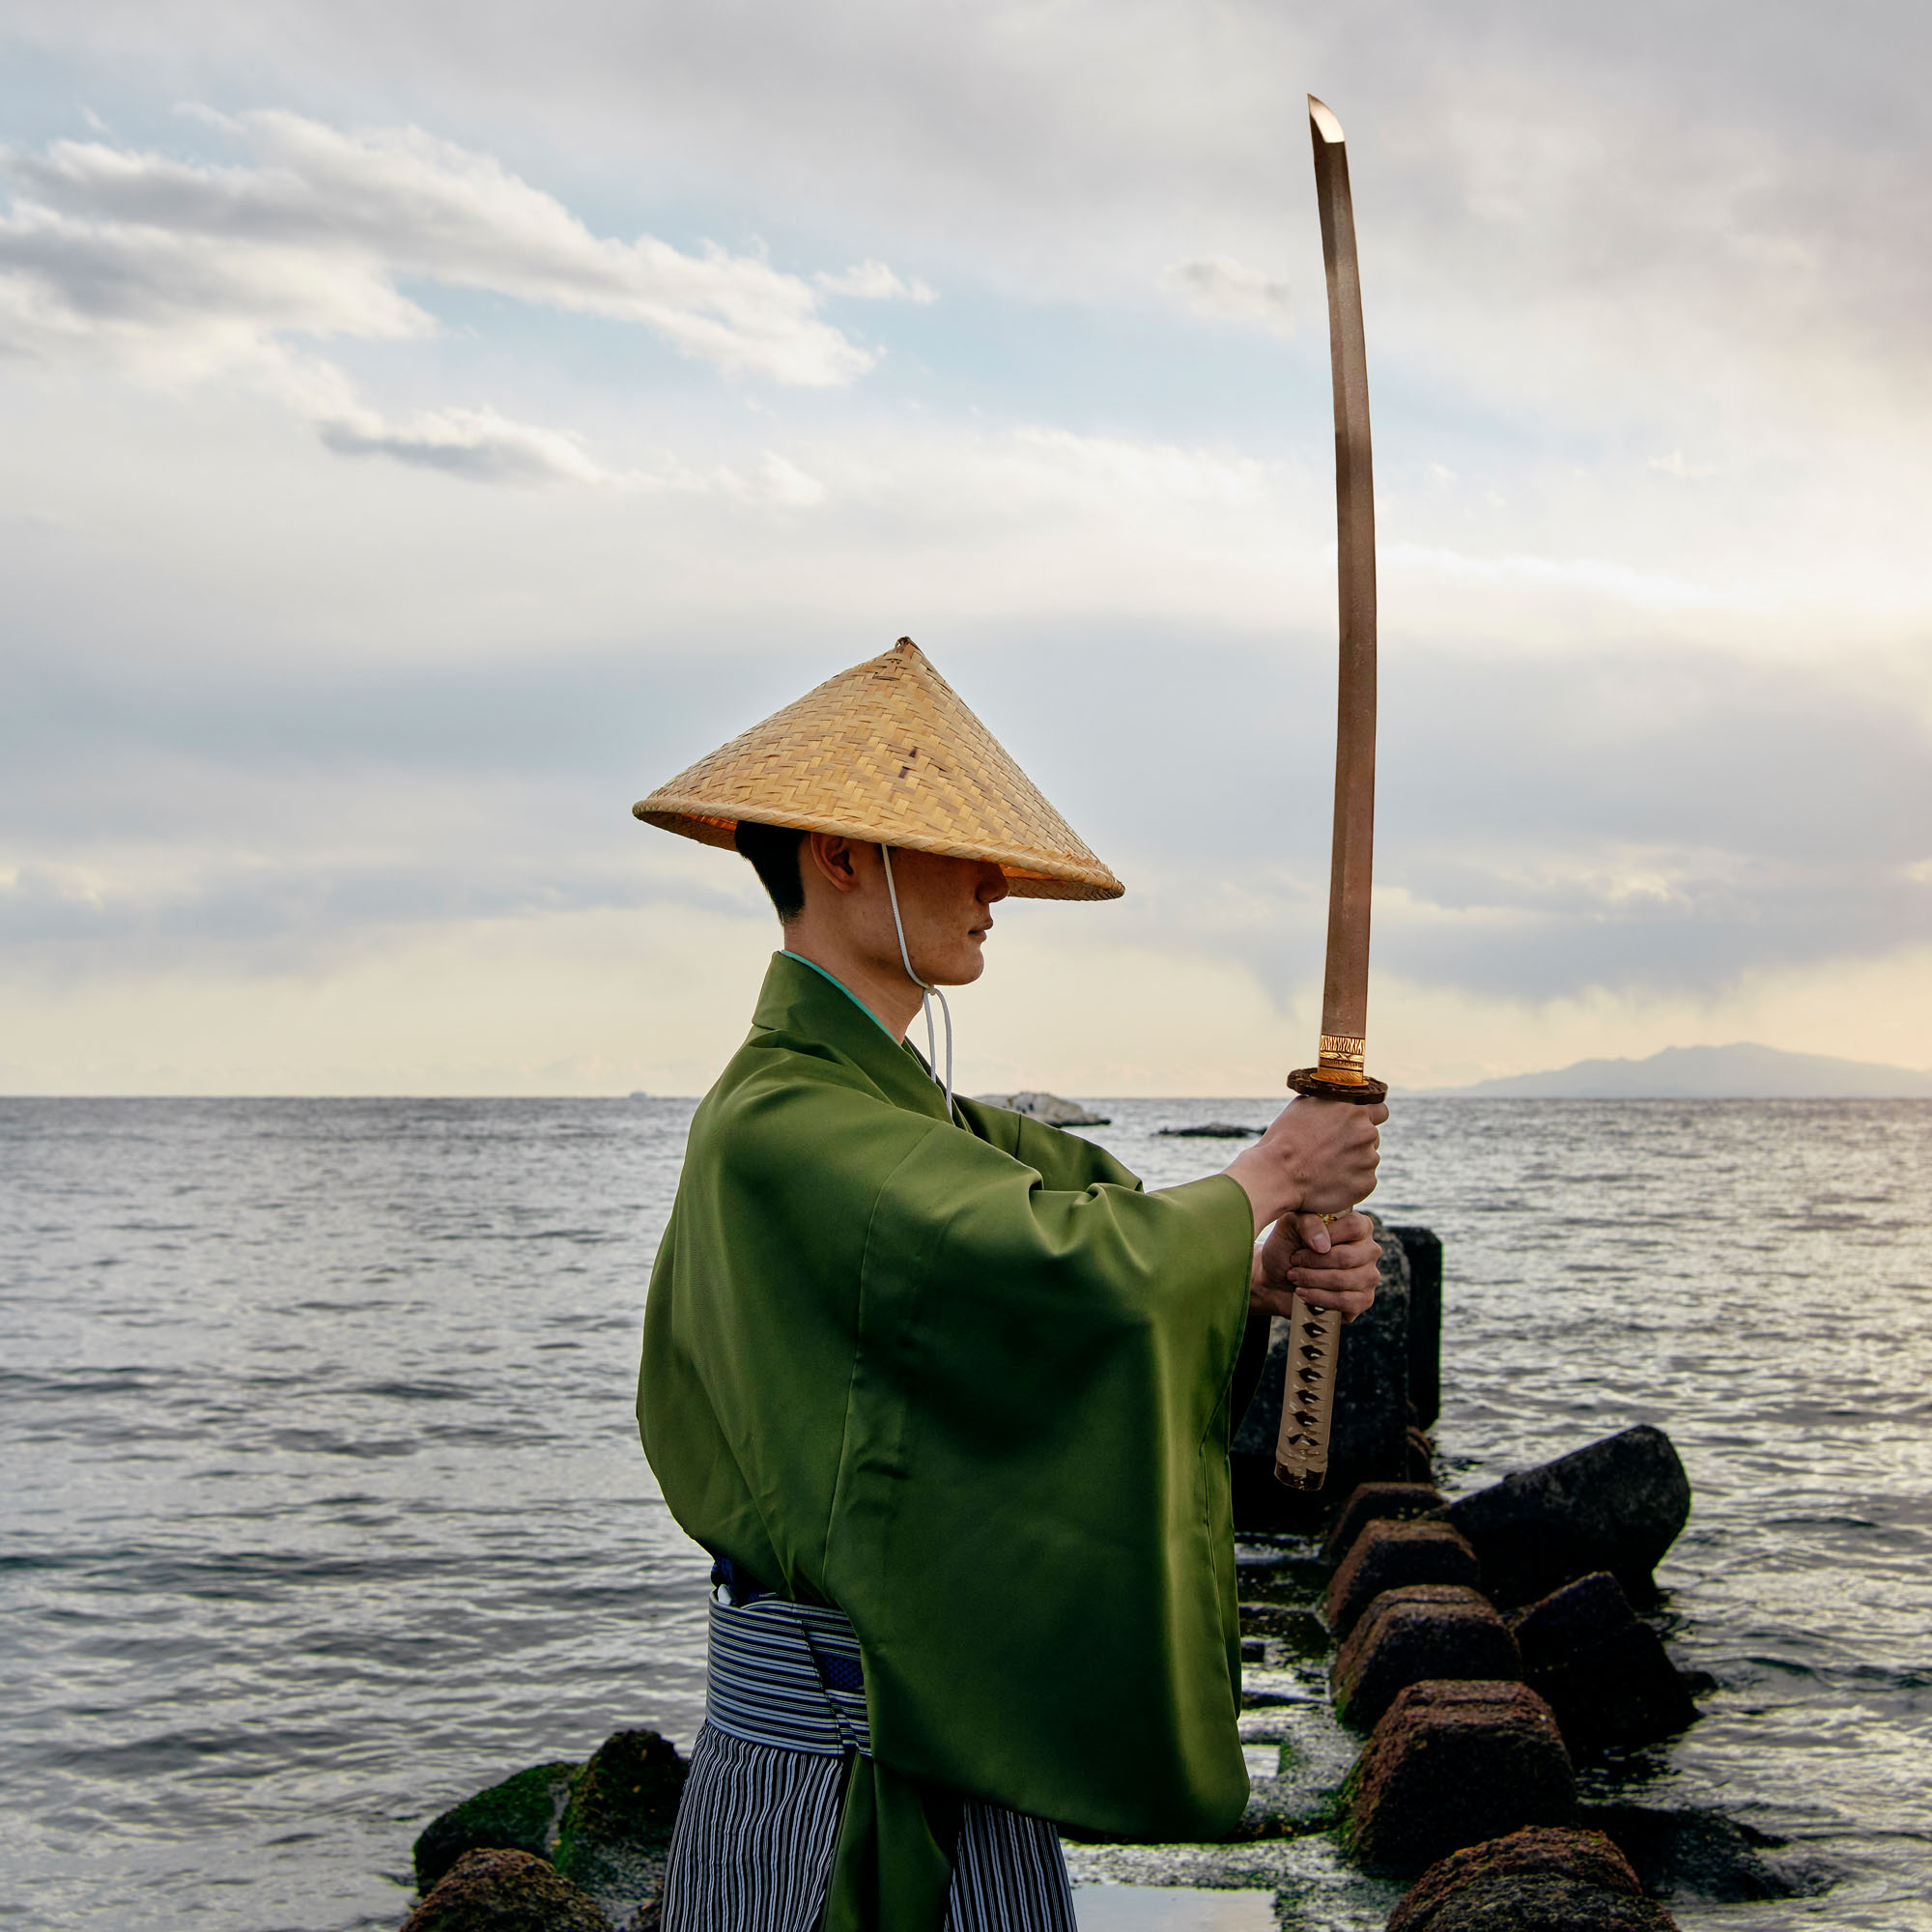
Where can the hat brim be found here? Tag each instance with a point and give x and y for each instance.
(1022, 881)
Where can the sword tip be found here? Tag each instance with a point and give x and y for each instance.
(1325, 123)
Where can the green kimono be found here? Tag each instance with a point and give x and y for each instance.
(970, 1385)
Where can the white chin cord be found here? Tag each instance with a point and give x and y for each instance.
(926, 992)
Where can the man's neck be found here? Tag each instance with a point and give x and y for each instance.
(885, 992)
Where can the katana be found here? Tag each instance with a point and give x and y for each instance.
(1308, 1398)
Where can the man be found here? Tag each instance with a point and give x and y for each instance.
(941, 1390)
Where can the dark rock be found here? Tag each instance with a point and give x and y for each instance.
(1421, 1455)
(1369, 1440)
(1389, 1554)
(1211, 1130)
(1450, 1764)
(616, 1828)
(521, 1814)
(1697, 1854)
(1614, 1505)
(1539, 1880)
(1372, 1501)
(1434, 1631)
(1603, 1671)
(1424, 1249)
(505, 1892)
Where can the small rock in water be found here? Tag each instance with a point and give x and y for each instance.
(506, 1892)
(1615, 1505)
(1433, 1630)
(1370, 1502)
(1048, 1108)
(1537, 1880)
(1390, 1553)
(1211, 1130)
(1451, 1765)
(1605, 1671)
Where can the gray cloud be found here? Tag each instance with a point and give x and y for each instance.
(1542, 828)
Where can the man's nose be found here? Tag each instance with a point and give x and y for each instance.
(993, 886)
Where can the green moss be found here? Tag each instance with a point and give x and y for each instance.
(521, 1814)
(617, 1824)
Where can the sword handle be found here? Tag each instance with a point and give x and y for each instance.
(1308, 1397)
(1315, 1334)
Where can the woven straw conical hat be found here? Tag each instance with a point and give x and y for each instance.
(886, 751)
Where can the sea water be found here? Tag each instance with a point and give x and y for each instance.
(323, 1505)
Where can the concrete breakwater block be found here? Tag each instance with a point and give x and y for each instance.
(1424, 1248)
(1615, 1505)
(1388, 1555)
(1370, 1502)
(1451, 1765)
(1429, 1631)
(605, 1825)
(1537, 1880)
(506, 1892)
(1603, 1671)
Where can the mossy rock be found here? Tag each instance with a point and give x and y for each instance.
(521, 1814)
(505, 1892)
(616, 1825)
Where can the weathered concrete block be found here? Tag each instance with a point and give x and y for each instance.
(1615, 1505)
(521, 1814)
(1387, 1555)
(1424, 1248)
(1451, 1765)
(1432, 1630)
(1370, 1438)
(1369, 1502)
(505, 1892)
(1537, 1880)
(1602, 1670)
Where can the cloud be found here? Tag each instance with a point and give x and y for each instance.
(1228, 290)
(873, 281)
(184, 264)
(184, 270)
(473, 443)
(481, 447)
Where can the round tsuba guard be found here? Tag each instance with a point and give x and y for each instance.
(1292, 1478)
(1309, 1080)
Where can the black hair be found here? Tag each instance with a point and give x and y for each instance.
(772, 850)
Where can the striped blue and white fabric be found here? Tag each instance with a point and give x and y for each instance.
(785, 1705)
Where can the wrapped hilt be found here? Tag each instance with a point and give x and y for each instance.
(1315, 1334)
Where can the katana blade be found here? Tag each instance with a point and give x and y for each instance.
(1345, 985)
(1308, 1396)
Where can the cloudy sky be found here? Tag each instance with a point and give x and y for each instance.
(425, 428)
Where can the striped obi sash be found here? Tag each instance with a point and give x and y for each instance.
(786, 1675)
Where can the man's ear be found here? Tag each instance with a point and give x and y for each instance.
(831, 856)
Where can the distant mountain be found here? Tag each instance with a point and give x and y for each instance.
(1741, 1072)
